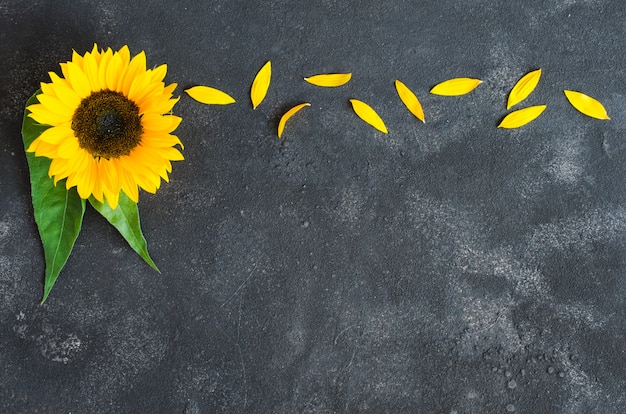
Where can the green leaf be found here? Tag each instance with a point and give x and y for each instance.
(125, 218)
(58, 212)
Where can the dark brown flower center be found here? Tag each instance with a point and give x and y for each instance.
(107, 124)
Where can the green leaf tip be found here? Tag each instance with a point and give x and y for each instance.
(125, 218)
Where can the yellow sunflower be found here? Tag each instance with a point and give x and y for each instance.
(110, 125)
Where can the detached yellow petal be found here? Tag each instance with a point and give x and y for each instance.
(521, 117)
(261, 84)
(209, 96)
(410, 100)
(287, 115)
(523, 88)
(455, 87)
(367, 114)
(329, 80)
(586, 104)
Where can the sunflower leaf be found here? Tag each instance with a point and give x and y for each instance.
(125, 218)
(261, 84)
(58, 212)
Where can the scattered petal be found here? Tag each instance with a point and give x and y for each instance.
(209, 96)
(289, 114)
(261, 84)
(455, 87)
(367, 114)
(410, 100)
(329, 80)
(586, 104)
(521, 117)
(523, 88)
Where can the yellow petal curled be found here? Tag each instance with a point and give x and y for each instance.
(455, 87)
(521, 117)
(287, 115)
(367, 114)
(329, 80)
(586, 104)
(261, 84)
(523, 88)
(209, 96)
(410, 100)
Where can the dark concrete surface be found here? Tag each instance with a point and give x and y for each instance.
(448, 267)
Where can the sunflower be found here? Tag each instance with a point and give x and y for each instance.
(110, 125)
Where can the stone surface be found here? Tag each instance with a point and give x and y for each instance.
(447, 267)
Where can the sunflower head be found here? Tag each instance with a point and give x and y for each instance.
(110, 125)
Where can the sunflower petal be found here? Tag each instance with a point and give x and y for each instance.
(108, 176)
(455, 86)
(66, 95)
(139, 88)
(521, 117)
(287, 115)
(523, 88)
(586, 105)
(43, 149)
(57, 80)
(261, 84)
(169, 89)
(44, 116)
(409, 99)
(171, 153)
(95, 52)
(147, 182)
(46, 89)
(90, 67)
(329, 80)
(159, 73)
(80, 160)
(136, 66)
(156, 123)
(160, 140)
(124, 53)
(56, 135)
(129, 186)
(113, 72)
(159, 106)
(103, 65)
(77, 59)
(97, 191)
(56, 106)
(112, 198)
(65, 72)
(144, 99)
(367, 114)
(59, 169)
(209, 96)
(78, 80)
(68, 148)
(85, 181)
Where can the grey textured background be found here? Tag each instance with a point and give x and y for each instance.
(448, 267)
